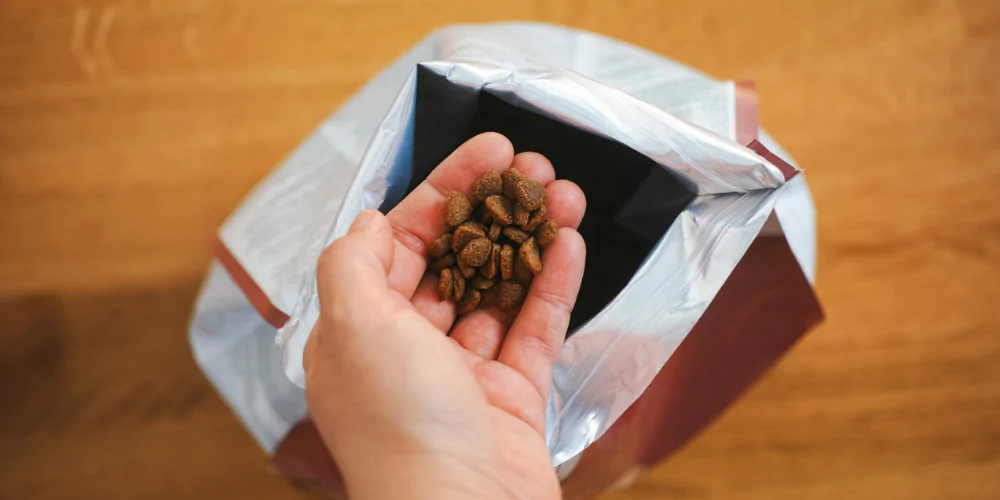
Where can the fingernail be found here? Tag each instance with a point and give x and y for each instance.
(363, 220)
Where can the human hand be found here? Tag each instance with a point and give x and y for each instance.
(408, 411)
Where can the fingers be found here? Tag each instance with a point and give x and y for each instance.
(565, 203)
(537, 335)
(441, 313)
(418, 219)
(351, 277)
(535, 167)
(358, 262)
(483, 331)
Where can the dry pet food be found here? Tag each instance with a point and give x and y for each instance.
(463, 235)
(535, 220)
(511, 178)
(457, 208)
(487, 185)
(510, 294)
(468, 302)
(530, 257)
(500, 208)
(442, 263)
(546, 233)
(506, 262)
(531, 194)
(516, 235)
(445, 284)
(495, 247)
(521, 214)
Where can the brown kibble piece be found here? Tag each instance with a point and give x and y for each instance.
(488, 296)
(516, 235)
(457, 208)
(469, 301)
(501, 210)
(480, 282)
(529, 255)
(489, 269)
(521, 273)
(481, 215)
(477, 252)
(511, 178)
(458, 289)
(465, 270)
(445, 284)
(535, 220)
(531, 194)
(463, 235)
(487, 185)
(510, 294)
(477, 225)
(506, 262)
(440, 247)
(475, 268)
(442, 263)
(521, 215)
(546, 233)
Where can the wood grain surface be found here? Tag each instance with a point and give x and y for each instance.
(129, 129)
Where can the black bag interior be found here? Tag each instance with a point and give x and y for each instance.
(631, 200)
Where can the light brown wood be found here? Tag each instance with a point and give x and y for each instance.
(128, 130)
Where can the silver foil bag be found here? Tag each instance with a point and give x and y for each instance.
(700, 238)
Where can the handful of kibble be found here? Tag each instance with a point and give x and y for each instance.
(495, 248)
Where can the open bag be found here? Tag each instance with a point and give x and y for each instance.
(700, 239)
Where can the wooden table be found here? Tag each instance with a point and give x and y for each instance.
(129, 129)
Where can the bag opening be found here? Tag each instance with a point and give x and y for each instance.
(631, 200)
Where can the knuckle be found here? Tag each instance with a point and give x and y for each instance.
(543, 344)
(408, 238)
(555, 301)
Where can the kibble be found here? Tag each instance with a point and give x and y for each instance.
(489, 269)
(463, 235)
(495, 248)
(469, 302)
(445, 284)
(511, 178)
(500, 208)
(477, 252)
(487, 185)
(466, 270)
(477, 225)
(458, 285)
(521, 215)
(521, 273)
(530, 257)
(488, 297)
(546, 233)
(516, 235)
(457, 208)
(480, 282)
(440, 247)
(442, 263)
(531, 194)
(510, 294)
(535, 220)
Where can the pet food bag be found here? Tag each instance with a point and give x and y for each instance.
(700, 235)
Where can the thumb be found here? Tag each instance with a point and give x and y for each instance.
(356, 266)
